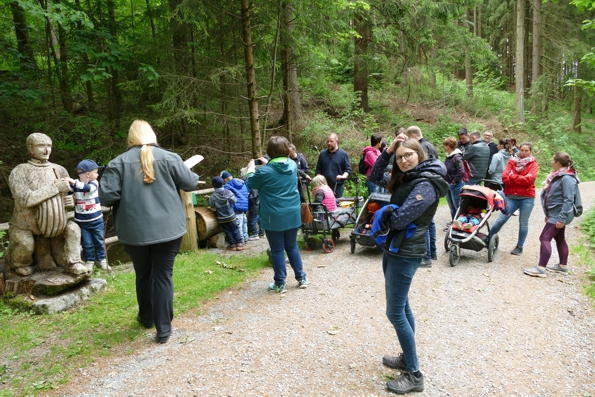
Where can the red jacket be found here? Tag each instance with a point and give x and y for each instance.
(520, 183)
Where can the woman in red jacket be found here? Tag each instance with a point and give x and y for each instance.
(519, 186)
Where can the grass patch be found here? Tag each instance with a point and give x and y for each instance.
(586, 253)
(42, 352)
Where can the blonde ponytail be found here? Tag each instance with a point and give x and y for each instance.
(141, 134)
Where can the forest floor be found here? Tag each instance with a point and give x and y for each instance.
(482, 329)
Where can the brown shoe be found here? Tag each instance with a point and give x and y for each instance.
(232, 247)
(240, 247)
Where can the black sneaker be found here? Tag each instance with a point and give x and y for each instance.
(406, 383)
(434, 257)
(426, 263)
(517, 250)
(395, 362)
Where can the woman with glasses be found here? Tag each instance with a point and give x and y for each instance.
(416, 185)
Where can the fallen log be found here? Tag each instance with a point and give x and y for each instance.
(206, 223)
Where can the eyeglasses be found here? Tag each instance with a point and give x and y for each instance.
(405, 157)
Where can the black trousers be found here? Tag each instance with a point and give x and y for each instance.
(154, 266)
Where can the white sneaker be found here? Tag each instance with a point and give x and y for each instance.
(102, 264)
(89, 265)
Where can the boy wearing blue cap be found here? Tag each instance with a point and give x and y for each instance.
(221, 202)
(87, 214)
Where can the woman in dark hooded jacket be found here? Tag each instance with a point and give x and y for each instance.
(559, 198)
(416, 185)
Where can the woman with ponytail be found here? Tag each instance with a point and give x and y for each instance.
(559, 198)
(142, 185)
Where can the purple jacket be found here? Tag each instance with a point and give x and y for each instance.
(454, 167)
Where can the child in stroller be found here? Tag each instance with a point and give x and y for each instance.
(471, 217)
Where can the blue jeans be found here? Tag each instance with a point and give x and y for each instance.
(372, 187)
(453, 199)
(254, 223)
(232, 232)
(431, 240)
(242, 223)
(92, 240)
(525, 206)
(285, 241)
(398, 274)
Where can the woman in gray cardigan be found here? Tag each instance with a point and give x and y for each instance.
(143, 187)
(559, 198)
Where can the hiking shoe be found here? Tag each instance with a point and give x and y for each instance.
(406, 383)
(457, 224)
(254, 237)
(536, 271)
(240, 247)
(395, 362)
(434, 257)
(557, 269)
(277, 288)
(517, 250)
(231, 247)
(425, 263)
(303, 283)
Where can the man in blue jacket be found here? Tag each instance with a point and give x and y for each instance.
(240, 190)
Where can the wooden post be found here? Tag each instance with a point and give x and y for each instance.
(190, 239)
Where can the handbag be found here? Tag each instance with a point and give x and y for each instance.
(306, 214)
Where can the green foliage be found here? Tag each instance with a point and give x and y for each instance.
(586, 252)
(61, 343)
(3, 244)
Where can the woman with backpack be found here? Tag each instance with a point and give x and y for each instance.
(498, 163)
(455, 170)
(561, 202)
(369, 156)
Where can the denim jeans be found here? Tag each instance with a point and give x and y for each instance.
(254, 224)
(525, 206)
(92, 240)
(398, 274)
(431, 240)
(154, 267)
(453, 199)
(280, 241)
(372, 187)
(232, 232)
(242, 223)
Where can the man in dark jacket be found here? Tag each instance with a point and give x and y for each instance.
(240, 190)
(334, 165)
(477, 155)
(464, 142)
(414, 132)
(493, 146)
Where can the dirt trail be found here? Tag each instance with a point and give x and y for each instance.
(482, 329)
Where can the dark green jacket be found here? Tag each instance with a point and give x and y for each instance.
(478, 157)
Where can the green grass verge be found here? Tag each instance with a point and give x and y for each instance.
(586, 251)
(42, 352)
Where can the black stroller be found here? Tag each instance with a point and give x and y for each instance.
(473, 238)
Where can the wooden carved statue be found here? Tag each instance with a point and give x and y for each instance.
(40, 233)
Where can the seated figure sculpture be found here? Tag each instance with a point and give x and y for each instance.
(40, 233)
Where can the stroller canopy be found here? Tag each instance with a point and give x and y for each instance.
(493, 199)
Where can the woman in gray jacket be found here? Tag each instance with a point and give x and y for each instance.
(143, 187)
(559, 198)
(498, 163)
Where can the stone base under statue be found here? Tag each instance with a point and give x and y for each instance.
(46, 292)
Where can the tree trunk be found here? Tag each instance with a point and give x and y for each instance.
(65, 92)
(292, 110)
(251, 80)
(360, 67)
(576, 123)
(22, 35)
(520, 60)
(468, 70)
(536, 53)
(115, 80)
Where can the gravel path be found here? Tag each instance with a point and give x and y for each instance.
(482, 329)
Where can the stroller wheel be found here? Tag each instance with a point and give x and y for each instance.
(336, 235)
(310, 244)
(493, 247)
(352, 245)
(455, 255)
(447, 241)
(328, 245)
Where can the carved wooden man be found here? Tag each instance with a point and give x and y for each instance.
(40, 232)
